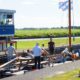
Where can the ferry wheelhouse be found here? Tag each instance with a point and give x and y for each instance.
(7, 28)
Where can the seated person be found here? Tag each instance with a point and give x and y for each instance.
(29, 53)
(65, 51)
(59, 58)
(75, 55)
(66, 54)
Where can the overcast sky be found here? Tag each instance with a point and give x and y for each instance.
(41, 13)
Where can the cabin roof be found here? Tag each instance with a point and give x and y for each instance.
(7, 11)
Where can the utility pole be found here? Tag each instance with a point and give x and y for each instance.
(69, 23)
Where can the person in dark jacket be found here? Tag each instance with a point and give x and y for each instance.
(51, 46)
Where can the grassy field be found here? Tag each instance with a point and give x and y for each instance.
(58, 42)
(44, 33)
(72, 75)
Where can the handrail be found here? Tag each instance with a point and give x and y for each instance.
(7, 63)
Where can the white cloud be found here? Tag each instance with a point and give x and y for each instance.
(28, 3)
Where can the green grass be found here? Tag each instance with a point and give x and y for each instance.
(44, 33)
(72, 75)
(31, 44)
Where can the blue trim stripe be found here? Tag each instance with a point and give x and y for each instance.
(7, 30)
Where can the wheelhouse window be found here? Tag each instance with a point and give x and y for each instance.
(6, 19)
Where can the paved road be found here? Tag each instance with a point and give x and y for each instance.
(40, 39)
(46, 72)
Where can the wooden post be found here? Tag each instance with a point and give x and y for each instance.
(16, 44)
(69, 23)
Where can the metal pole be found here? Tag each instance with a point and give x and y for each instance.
(69, 23)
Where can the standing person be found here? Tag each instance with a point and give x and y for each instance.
(51, 46)
(10, 51)
(44, 52)
(37, 55)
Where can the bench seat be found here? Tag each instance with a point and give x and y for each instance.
(42, 63)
